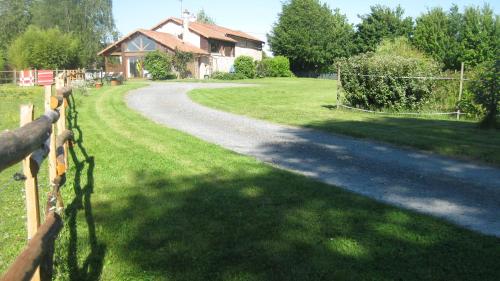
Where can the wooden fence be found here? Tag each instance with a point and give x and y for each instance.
(31, 144)
(32, 77)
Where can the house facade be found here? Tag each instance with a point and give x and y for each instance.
(215, 48)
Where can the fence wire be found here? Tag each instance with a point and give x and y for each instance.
(407, 77)
(444, 102)
(402, 113)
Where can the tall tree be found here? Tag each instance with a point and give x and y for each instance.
(15, 17)
(453, 37)
(435, 35)
(203, 17)
(90, 20)
(382, 22)
(311, 35)
(478, 40)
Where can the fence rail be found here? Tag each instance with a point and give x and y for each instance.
(33, 142)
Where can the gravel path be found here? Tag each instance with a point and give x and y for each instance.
(465, 193)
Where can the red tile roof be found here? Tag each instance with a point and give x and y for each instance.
(211, 31)
(172, 42)
(165, 39)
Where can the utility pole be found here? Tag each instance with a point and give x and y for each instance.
(181, 8)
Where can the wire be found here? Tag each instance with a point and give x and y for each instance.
(406, 77)
(401, 113)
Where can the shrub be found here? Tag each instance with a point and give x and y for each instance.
(228, 76)
(180, 62)
(49, 49)
(159, 65)
(245, 66)
(486, 91)
(274, 67)
(371, 81)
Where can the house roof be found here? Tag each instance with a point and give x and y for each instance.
(211, 31)
(162, 38)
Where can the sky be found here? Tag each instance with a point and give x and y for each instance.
(255, 17)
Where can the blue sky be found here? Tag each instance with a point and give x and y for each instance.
(254, 16)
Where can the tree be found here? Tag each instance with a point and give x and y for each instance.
(382, 22)
(44, 49)
(90, 20)
(311, 35)
(15, 17)
(479, 40)
(485, 87)
(453, 37)
(203, 17)
(435, 35)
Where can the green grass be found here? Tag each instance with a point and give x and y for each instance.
(311, 102)
(144, 202)
(12, 208)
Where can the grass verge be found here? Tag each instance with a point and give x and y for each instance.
(145, 202)
(311, 103)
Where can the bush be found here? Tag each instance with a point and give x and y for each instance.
(159, 65)
(245, 66)
(274, 67)
(370, 81)
(44, 49)
(228, 76)
(486, 92)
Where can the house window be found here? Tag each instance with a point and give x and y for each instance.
(141, 44)
(215, 47)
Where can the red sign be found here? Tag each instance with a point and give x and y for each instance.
(45, 77)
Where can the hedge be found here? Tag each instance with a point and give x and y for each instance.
(228, 76)
(278, 66)
(371, 81)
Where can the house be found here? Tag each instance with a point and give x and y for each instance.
(214, 47)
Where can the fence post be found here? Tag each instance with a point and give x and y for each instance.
(460, 92)
(339, 86)
(61, 127)
(31, 188)
(52, 151)
(15, 77)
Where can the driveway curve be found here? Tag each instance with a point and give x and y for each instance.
(465, 193)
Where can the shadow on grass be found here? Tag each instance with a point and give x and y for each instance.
(93, 263)
(460, 139)
(273, 225)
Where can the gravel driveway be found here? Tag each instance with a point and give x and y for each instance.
(464, 193)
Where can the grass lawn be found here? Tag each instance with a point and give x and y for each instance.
(12, 202)
(310, 102)
(144, 202)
